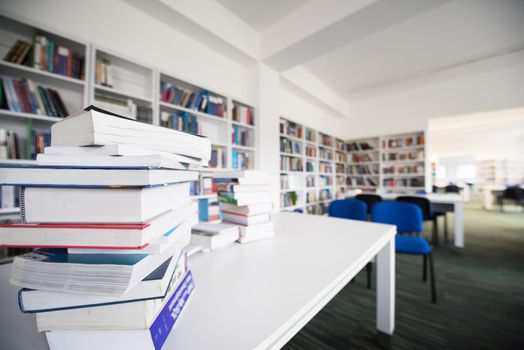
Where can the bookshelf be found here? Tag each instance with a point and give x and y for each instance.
(120, 84)
(311, 162)
(393, 163)
(363, 169)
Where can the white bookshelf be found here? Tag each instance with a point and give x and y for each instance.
(392, 163)
(314, 180)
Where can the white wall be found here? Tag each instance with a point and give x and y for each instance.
(117, 25)
(301, 109)
(487, 86)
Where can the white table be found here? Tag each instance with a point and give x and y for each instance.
(449, 202)
(259, 295)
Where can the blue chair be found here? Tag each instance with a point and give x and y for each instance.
(353, 209)
(409, 219)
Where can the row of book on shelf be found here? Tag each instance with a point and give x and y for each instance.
(103, 72)
(406, 141)
(201, 101)
(108, 208)
(241, 136)
(243, 114)
(290, 146)
(10, 147)
(124, 106)
(24, 96)
(44, 54)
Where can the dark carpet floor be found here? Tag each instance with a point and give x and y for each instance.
(480, 296)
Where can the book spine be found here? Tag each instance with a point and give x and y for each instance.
(165, 321)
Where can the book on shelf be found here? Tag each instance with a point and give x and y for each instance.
(289, 128)
(218, 158)
(211, 236)
(290, 163)
(124, 106)
(8, 144)
(201, 101)
(290, 146)
(289, 199)
(243, 114)
(153, 286)
(151, 338)
(359, 146)
(39, 141)
(241, 136)
(310, 135)
(95, 126)
(103, 72)
(44, 54)
(241, 159)
(182, 121)
(24, 96)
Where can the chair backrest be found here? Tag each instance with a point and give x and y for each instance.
(348, 209)
(406, 216)
(513, 192)
(452, 189)
(370, 200)
(422, 202)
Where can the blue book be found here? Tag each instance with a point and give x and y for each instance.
(152, 338)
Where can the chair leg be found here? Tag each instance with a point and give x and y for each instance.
(432, 278)
(369, 269)
(424, 268)
(434, 239)
(446, 237)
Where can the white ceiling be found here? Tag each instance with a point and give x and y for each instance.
(457, 33)
(261, 14)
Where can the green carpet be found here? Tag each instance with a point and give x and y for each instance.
(480, 292)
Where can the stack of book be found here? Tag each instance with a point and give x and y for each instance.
(210, 236)
(246, 201)
(110, 219)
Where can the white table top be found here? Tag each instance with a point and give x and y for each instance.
(258, 295)
(251, 296)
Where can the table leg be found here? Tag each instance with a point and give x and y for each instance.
(459, 224)
(386, 288)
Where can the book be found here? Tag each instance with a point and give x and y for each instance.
(246, 219)
(256, 236)
(123, 316)
(253, 229)
(242, 188)
(100, 205)
(153, 286)
(139, 339)
(99, 274)
(252, 209)
(119, 150)
(82, 176)
(102, 236)
(244, 198)
(240, 174)
(153, 161)
(95, 126)
(181, 232)
(212, 236)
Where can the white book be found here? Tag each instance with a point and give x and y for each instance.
(212, 236)
(97, 274)
(100, 205)
(181, 231)
(154, 286)
(24, 175)
(118, 150)
(242, 188)
(246, 220)
(256, 236)
(95, 126)
(252, 209)
(108, 238)
(139, 339)
(246, 198)
(122, 316)
(153, 161)
(247, 230)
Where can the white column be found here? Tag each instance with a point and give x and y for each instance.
(459, 224)
(386, 288)
(268, 156)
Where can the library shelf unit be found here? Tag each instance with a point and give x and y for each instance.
(309, 162)
(385, 164)
(123, 85)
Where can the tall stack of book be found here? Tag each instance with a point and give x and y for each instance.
(246, 201)
(110, 219)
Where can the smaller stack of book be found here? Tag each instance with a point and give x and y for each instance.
(246, 201)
